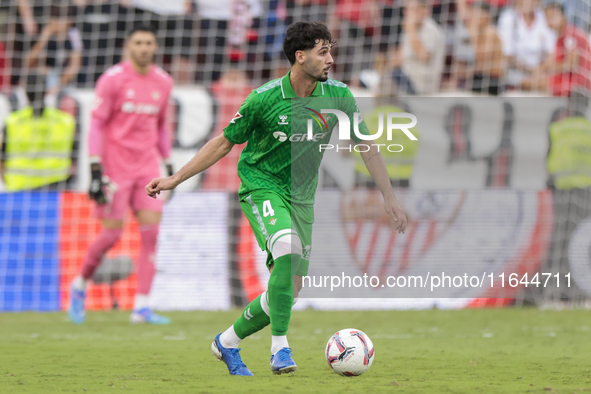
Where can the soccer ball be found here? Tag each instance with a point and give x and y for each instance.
(349, 352)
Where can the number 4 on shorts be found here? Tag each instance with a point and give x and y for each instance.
(268, 209)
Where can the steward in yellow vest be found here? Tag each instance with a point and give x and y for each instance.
(38, 150)
(38, 142)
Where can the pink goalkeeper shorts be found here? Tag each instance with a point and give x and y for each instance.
(131, 193)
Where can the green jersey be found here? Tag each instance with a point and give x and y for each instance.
(274, 123)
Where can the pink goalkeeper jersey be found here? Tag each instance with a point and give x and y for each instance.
(133, 108)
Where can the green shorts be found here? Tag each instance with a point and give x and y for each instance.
(269, 213)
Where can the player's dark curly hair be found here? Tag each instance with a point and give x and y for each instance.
(302, 36)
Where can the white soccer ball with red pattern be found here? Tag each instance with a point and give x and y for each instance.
(349, 352)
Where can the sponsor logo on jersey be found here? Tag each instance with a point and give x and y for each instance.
(130, 107)
(283, 119)
(298, 137)
(280, 135)
(236, 117)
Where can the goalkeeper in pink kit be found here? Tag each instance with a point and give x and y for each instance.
(128, 136)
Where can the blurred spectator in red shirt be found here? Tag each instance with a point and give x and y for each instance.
(363, 13)
(239, 30)
(353, 23)
(4, 71)
(570, 67)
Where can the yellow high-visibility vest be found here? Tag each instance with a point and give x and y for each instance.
(38, 150)
(399, 164)
(569, 160)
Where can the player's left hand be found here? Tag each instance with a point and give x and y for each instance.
(397, 214)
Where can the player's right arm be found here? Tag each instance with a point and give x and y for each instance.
(101, 112)
(238, 131)
(213, 151)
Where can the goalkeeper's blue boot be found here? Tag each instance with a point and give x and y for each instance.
(146, 315)
(281, 362)
(76, 309)
(231, 356)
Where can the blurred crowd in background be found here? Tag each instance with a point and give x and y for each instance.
(415, 47)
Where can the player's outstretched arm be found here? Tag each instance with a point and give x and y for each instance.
(377, 168)
(213, 151)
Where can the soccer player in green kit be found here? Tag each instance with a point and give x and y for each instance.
(276, 198)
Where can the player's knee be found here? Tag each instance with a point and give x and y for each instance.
(285, 244)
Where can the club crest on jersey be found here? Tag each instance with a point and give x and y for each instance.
(236, 117)
(97, 103)
(130, 93)
(283, 119)
(273, 221)
(156, 95)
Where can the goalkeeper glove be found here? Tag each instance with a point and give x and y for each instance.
(170, 172)
(169, 169)
(96, 191)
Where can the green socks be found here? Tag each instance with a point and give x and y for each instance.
(281, 292)
(260, 312)
(253, 318)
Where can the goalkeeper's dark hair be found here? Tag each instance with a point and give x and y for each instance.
(143, 27)
(302, 36)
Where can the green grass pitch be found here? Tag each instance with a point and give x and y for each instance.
(434, 351)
